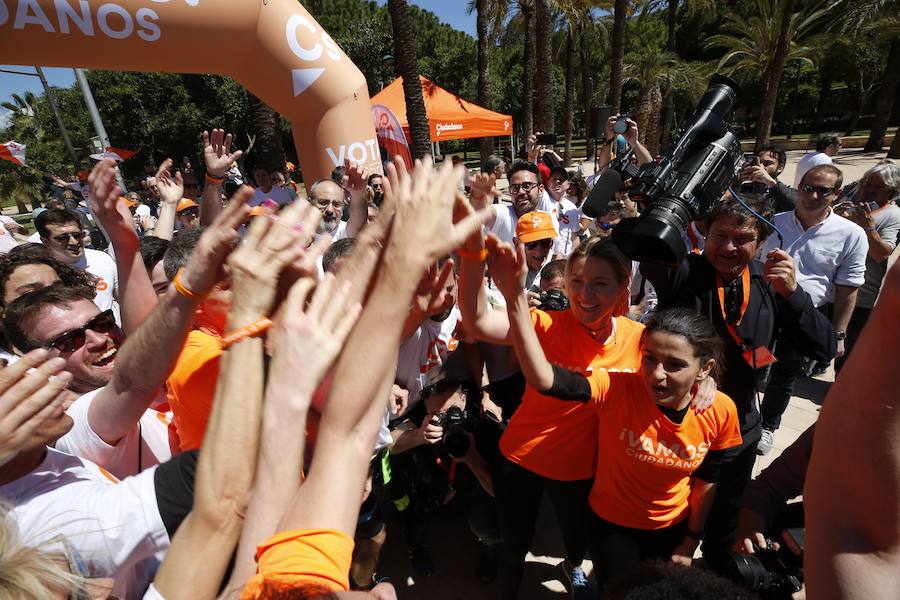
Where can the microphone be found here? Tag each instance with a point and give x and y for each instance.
(603, 192)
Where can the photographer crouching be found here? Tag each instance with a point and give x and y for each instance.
(768, 549)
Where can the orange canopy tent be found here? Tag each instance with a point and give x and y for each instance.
(449, 116)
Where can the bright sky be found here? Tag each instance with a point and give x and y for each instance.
(452, 12)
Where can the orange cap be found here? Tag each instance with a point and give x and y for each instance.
(184, 204)
(128, 203)
(257, 211)
(535, 225)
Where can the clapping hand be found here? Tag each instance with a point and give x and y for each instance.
(217, 153)
(355, 178)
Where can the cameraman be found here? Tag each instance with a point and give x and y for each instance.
(764, 171)
(641, 154)
(758, 300)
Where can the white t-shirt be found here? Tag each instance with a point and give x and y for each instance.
(813, 159)
(504, 226)
(115, 527)
(278, 194)
(7, 240)
(103, 267)
(831, 252)
(422, 355)
(567, 220)
(147, 442)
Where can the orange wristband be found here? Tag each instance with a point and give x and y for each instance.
(251, 330)
(480, 256)
(179, 287)
(215, 180)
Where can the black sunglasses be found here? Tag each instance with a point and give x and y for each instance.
(824, 192)
(74, 339)
(190, 212)
(545, 243)
(64, 237)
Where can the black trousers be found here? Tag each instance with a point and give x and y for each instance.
(721, 524)
(614, 548)
(518, 493)
(858, 320)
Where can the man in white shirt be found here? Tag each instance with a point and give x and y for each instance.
(62, 234)
(565, 212)
(527, 195)
(266, 190)
(827, 146)
(328, 196)
(829, 253)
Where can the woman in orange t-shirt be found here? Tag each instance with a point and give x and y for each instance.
(657, 460)
(551, 446)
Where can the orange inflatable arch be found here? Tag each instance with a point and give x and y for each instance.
(272, 47)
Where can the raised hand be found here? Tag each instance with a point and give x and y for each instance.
(171, 189)
(202, 270)
(355, 177)
(482, 189)
(32, 390)
(431, 296)
(112, 214)
(272, 244)
(423, 229)
(307, 339)
(534, 149)
(217, 152)
(507, 266)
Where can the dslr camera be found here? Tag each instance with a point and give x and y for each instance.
(457, 424)
(772, 574)
(553, 300)
(683, 183)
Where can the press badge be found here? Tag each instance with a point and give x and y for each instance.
(759, 357)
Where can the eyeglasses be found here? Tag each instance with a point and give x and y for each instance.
(377, 186)
(605, 226)
(74, 339)
(190, 212)
(823, 192)
(525, 187)
(64, 237)
(545, 243)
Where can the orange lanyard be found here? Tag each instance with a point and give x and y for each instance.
(695, 243)
(720, 288)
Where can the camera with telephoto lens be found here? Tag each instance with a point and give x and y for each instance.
(683, 183)
(774, 574)
(456, 423)
(553, 300)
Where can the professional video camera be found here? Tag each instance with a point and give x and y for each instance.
(678, 187)
(553, 300)
(457, 424)
(774, 574)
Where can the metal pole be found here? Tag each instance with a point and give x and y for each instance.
(62, 127)
(95, 117)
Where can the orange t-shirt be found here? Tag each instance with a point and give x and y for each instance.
(644, 460)
(319, 557)
(192, 387)
(555, 438)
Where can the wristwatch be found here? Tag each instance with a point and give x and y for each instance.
(840, 335)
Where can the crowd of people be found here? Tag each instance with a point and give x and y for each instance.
(217, 389)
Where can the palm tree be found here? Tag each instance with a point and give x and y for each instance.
(408, 67)
(772, 37)
(22, 112)
(526, 9)
(267, 145)
(489, 17)
(617, 53)
(671, 7)
(885, 101)
(543, 29)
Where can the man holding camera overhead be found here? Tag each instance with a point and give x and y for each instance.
(761, 173)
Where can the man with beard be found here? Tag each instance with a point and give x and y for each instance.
(328, 197)
(527, 195)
